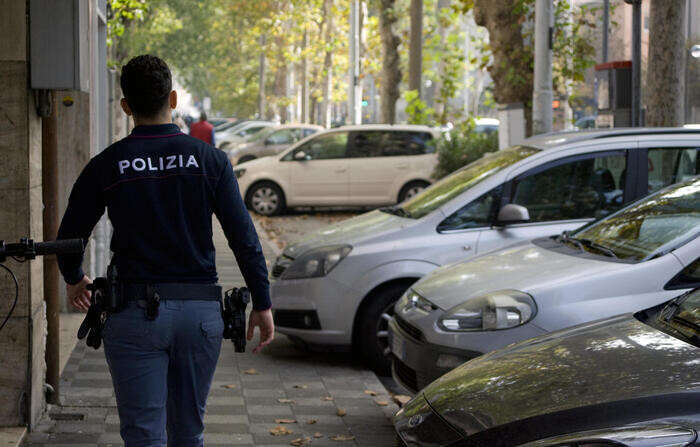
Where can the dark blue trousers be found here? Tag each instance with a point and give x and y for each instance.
(162, 370)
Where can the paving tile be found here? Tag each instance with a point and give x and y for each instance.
(239, 416)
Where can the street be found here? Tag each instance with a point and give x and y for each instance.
(280, 397)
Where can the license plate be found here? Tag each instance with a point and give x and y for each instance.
(398, 346)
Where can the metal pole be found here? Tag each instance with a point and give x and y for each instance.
(543, 94)
(49, 192)
(355, 93)
(636, 62)
(606, 25)
(261, 91)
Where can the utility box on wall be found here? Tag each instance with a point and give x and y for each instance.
(614, 94)
(60, 44)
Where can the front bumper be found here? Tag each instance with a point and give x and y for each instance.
(416, 362)
(324, 302)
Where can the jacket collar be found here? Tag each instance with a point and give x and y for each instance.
(156, 130)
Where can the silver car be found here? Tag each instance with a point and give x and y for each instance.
(238, 133)
(269, 141)
(338, 286)
(616, 265)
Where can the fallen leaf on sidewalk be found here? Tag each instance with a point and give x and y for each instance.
(301, 387)
(285, 421)
(280, 431)
(401, 399)
(341, 412)
(285, 401)
(370, 392)
(381, 403)
(251, 371)
(230, 386)
(311, 421)
(342, 437)
(300, 441)
(327, 398)
(318, 435)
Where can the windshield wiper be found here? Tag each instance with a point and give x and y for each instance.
(581, 243)
(397, 211)
(596, 246)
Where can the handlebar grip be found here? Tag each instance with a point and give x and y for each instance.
(63, 246)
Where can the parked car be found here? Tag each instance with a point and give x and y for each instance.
(612, 266)
(237, 134)
(370, 165)
(486, 125)
(270, 141)
(338, 286)
(630, 380)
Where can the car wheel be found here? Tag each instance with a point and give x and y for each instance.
(266, 198)
(373, 327)
(411, 189)
(245, 158)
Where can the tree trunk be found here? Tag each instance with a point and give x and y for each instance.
(415, 51)
(511, 69)
(666, 63)
(327, 65)
(391, 71)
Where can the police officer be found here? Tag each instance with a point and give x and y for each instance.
(160, 188)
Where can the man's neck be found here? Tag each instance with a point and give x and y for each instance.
(164, 119)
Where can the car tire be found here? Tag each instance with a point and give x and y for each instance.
(266, 199)
(410, 189)
(372, 338)
(245, 158)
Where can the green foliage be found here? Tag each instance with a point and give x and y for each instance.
(417, 110)
(120, 13)
(462, 146)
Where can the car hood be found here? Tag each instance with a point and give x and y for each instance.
(257, 162)
(595, 363)
(523, 267)
(366, 227)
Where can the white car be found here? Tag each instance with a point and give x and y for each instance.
(338, 286)
(370, 165)
(229, 138)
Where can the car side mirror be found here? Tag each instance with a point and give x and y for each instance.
(512, 214)
(301, 156)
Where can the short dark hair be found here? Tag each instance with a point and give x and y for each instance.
(203, 116)
(146, 83)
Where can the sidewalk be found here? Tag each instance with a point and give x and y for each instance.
(251, 397)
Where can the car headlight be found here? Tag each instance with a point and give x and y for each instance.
(412, 300)
(504, 309)
(238, 172)
(317, 262)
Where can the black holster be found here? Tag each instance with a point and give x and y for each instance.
(106, 298)
(233, 312)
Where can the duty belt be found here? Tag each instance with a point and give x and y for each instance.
(171, 291)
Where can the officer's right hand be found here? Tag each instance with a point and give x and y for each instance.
(263, 320)
(79, 295)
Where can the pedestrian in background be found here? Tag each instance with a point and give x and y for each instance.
(203, 130)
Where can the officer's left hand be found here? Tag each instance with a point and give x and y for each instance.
(79, 295)
(263, 320)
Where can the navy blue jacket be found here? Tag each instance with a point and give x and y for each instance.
(160, 188)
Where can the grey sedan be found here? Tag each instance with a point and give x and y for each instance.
(270, 141)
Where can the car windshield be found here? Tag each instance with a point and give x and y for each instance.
(262, 134)
(456, 183)
(648, 228)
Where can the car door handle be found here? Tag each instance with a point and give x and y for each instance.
(340, 170)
